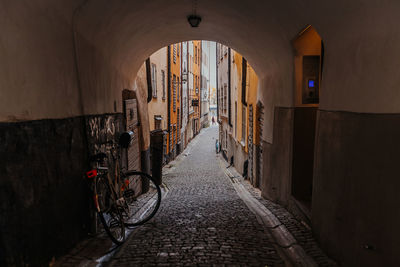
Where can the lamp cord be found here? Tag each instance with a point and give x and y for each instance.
(194, 6)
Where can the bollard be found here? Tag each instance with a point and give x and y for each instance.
(156, 150)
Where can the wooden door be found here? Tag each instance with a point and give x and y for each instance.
(133, 151)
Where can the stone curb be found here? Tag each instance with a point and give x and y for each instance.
(282, 236)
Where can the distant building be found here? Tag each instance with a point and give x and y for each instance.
(205, 83)
(172, 76)
(158, 105)
(194, 87)
(184, 93)
(174, 84)
(237, 107)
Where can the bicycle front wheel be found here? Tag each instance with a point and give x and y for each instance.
(109, 212)
(142, 197)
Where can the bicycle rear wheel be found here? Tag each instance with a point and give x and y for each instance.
(142, 197)
(109, 212)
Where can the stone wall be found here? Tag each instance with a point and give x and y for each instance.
(355, 210)
(45, 202)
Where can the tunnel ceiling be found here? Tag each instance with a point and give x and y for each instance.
(127, 32)
(132, 30)
(91, 50)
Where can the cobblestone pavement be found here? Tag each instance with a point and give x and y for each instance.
(202, 221)
(300, 231)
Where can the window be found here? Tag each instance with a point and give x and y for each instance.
(197, 83)
(178, 48)
(178, 120)
(244, 80)
(163, 84)
(157, 122)
(221, 100)
(170, 137)
(225, 97)
(195, 55)
(226, 139)
(174, 92)
(236, 122)
(174, 133)
(179, 88)
(174, 52)
(154, 79)
(243, 124)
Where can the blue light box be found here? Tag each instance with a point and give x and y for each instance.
(311, 83)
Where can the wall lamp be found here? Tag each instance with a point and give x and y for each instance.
(194, 20)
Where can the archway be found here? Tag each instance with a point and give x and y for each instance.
(66, 61)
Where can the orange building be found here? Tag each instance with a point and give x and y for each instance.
(174, 92)
(239, 113)
(194, 87)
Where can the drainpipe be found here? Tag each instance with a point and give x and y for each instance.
(187, 82)
(181, 93)
(169, 94)
(201, 80)
(216, 82)
(229, 88)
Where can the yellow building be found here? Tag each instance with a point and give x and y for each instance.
(174, 89)
(194, 87)
(237, 104)
(158, 105)
(163, 71)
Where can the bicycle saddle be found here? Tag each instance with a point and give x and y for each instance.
(98, 157)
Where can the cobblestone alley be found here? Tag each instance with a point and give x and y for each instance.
(208, 217)
(202, 219)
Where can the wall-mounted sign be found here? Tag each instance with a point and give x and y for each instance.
(195, 102)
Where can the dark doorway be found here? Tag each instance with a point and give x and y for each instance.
(303, 154)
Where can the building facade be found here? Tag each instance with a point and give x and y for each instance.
(237, 108)
(173, 76)
(194, 60)
(174, 84)
(158, 115)
(184, 94)
(205, 83)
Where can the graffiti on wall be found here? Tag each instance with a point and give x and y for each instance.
(102, 131)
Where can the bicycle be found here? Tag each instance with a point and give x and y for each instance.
(122, 198)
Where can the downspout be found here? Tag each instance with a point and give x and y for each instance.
(201, 79)
(229, 88)
(181, 87)
(169, 95)
(187, 81)
(216, 82)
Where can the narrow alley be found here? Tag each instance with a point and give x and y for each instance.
(203, 221)
(303, 97)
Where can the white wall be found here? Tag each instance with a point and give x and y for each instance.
(39, 79)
